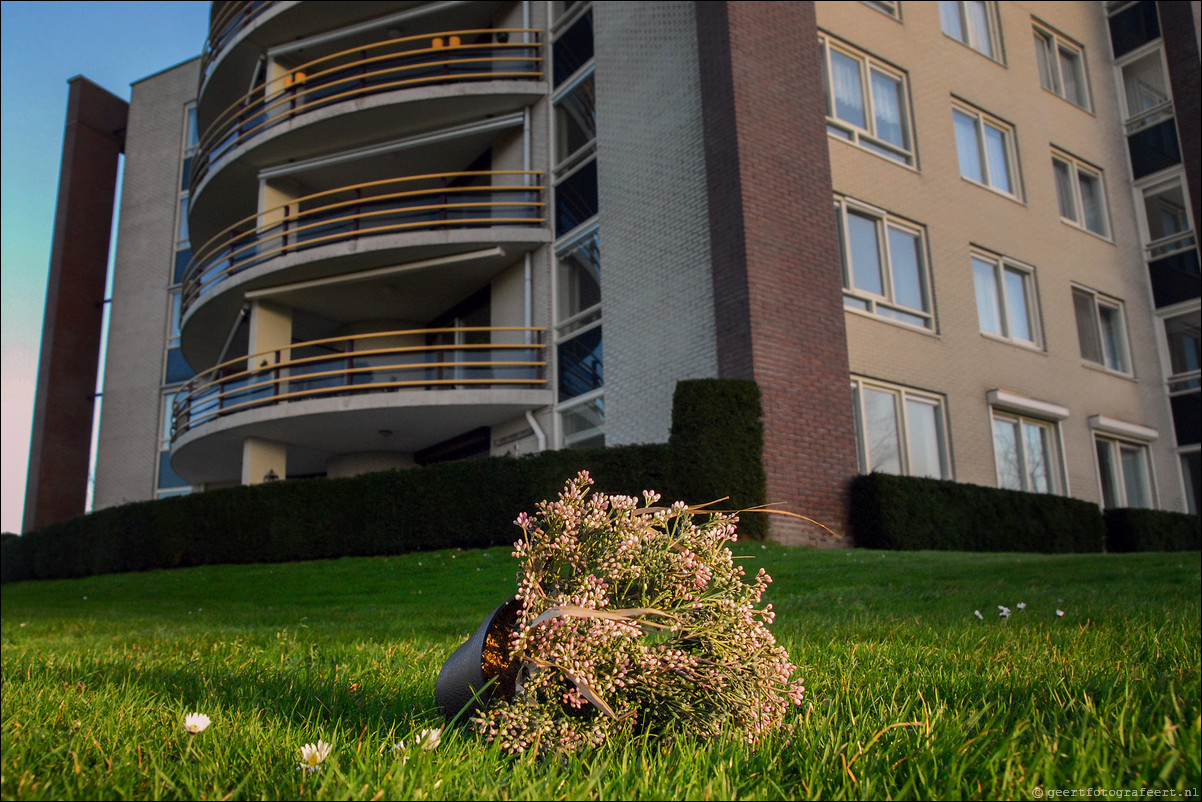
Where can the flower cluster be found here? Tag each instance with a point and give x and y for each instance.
(634, 618)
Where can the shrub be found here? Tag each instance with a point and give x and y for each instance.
(717, 446)
(1130, 529)
(907, 513)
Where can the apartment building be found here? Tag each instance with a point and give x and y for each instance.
(952, 240)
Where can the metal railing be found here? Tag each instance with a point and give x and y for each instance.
(225, 24)
(436, 200)
(433, 359)
(484, 54)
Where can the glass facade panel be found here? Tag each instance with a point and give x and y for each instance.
(881, 431)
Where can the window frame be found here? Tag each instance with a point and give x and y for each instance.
(867, 137)
(570, 407)
(969, 32)
(1118, 481)
(1099, 300)
(890, 8)
(1135, 121)
(1158, 184)
(982, 120)
(905, 435)
(1075, 167)
(1189, 380)
(1057, 484)
(1045, 36)
(1002, 265)
(884, 223)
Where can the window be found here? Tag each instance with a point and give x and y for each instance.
(1101, 330)
(1027, 453)
(1123, 472)
(1061, 67)
(177, 370)
(986, 150)
(899, 431)
(884, 265)
(168, 482)
(866, 102)
(1145, 90)
(1166, 218)
(1081, 194)
(971, 22)
(1182, 336)
(183, 248)
(890, 7)
(582, 425)
(1191, 475)
(1006, 304)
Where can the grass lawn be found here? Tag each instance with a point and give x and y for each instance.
(909, 693)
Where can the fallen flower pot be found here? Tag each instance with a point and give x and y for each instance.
(483, 657)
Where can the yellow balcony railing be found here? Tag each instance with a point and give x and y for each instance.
(436, 200)
(485, 54)
(230, 18)
(417, 359)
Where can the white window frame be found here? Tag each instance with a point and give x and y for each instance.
(971, 37)
(903, 398)
(1112, 360)
(1189, 483)
(1050, 48)
(1075, 168)
(890, 8)
(1118, 437)
(567, 408)
(1057, 484)
(884, 306)
(166, 401)
(1134, 121)
(866, 137)
(1156, 185)
(983, 121)
(1002, 266)
(1184, 381)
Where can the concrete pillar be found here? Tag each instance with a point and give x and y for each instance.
(263, 460)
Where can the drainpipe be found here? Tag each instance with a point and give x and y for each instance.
(538, 431)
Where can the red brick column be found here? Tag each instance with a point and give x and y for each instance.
(778, 295)
(56, 488)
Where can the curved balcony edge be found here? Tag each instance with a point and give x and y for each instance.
(318, 430)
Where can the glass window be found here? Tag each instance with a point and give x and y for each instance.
(1145, 91)
(580, 362)
(899, 431)
(1005, 299)
(1061, 67)
(582, 425)
(1191, 474)
(1081, 195)
(579, 279)
(1182, 336)
(890, 7)
(884, 265)
(575, 119)
(986, 150)
(1100, 329)
(1166, 219)
(1026, 452)
(1123, 473)
(573, 48)
(970, 22)
(576, 198)
(866, 102)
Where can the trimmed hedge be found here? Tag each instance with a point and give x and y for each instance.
(1152, 530)
(714, 451)
(907, 513)
(717, 446)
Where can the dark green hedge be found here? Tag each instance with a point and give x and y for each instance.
(717, 445)
(1152, 530)
(899, 512)
(715, 451)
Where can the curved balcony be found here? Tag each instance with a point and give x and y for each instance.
(431, 359)
(450, 57)
(364, 210)
(226, 21)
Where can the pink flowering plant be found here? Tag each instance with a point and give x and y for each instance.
(635, 618)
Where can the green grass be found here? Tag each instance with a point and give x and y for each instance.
(909, 694)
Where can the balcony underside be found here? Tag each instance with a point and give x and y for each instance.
(229, 190)
(318, 429)
(408, 276)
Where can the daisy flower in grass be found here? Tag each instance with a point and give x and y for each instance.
(430, 739)
(196, 723)
(313, 755)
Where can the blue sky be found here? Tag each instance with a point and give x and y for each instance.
(42, 45)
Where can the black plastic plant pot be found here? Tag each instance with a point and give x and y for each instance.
(485, 655)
